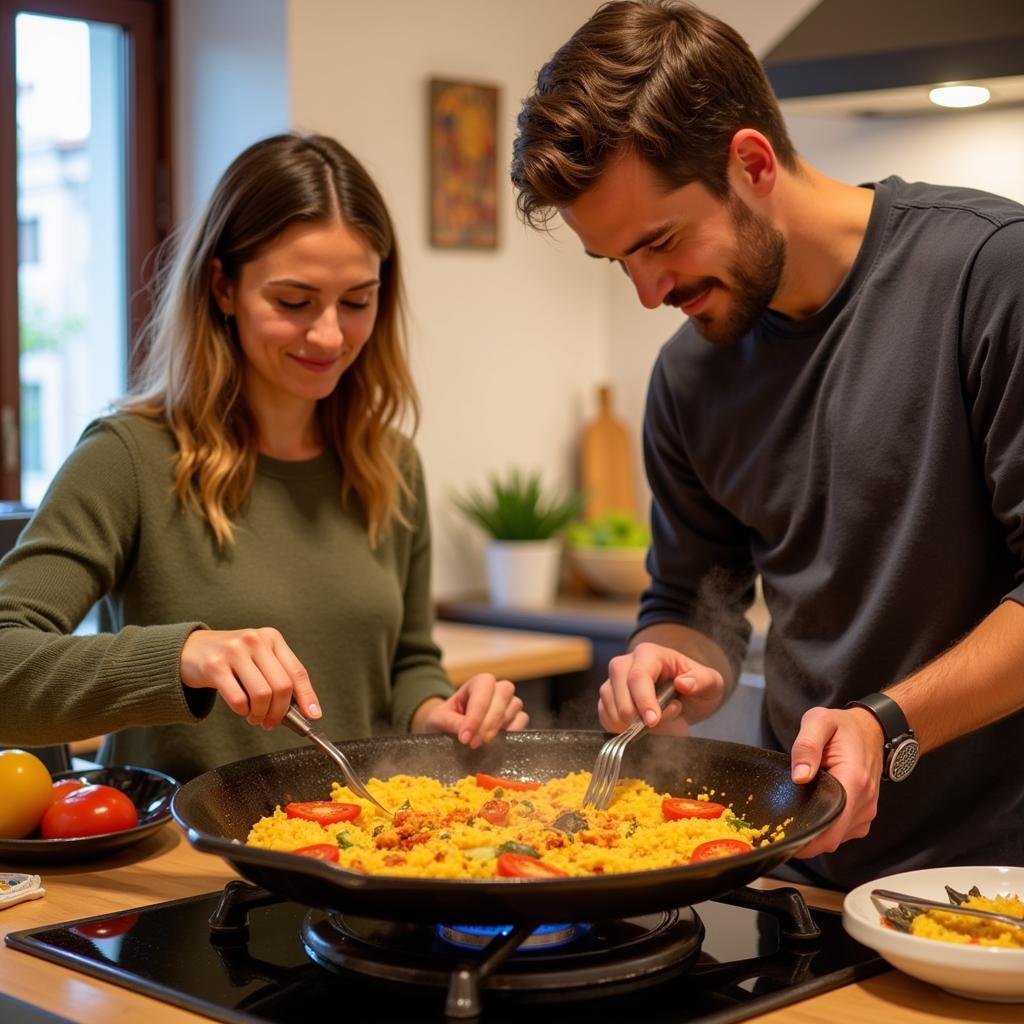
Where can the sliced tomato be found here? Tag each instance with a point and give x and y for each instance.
(323, 812)
(319, 851)
(673, 808)
(519, 865)
(715, 848)
(495, 811)
(493, 782)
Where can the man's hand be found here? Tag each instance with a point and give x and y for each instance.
(475, 713)
(632, 680)
(847, 744)
(254, 671)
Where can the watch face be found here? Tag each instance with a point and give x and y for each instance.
(902, 759)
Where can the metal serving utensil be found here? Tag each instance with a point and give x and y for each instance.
(609, 758)
(295, 720)
(949, 908)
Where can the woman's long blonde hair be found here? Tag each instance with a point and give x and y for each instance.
(191, 372)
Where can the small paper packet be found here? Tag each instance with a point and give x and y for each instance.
(16, 888)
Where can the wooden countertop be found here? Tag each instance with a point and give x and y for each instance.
(164, 867)
(514, 654)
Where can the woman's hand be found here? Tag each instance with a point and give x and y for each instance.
(255, 672)
(475, 713)
(629, 690)
(848, 744)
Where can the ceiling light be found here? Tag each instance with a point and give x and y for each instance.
(959, 95)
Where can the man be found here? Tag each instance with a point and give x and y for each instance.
(842, 413)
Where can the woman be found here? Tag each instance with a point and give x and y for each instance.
(251, 520)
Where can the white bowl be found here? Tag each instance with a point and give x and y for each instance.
(610, 570)
(977, 972)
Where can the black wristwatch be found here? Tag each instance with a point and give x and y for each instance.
(901, 747)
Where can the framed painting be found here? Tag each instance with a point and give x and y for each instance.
(463, 165)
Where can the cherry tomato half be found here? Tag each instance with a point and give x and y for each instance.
(675, 807)
(495, 811)
(493, 782)
(63, 787)
(89, 811)
(323, 812)
(319, 851)
(519, 865)
(715, 848)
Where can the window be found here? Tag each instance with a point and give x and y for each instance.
(28, 241)
(80, 145)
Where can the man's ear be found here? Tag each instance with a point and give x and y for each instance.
(222, 287)
(753, 166)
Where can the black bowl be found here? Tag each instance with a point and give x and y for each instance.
(151, 792)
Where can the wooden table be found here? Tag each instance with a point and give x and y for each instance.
(514, 654)
(165, 867)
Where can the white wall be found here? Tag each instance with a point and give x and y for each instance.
(506, 345)
(229, 75)
(975, 148)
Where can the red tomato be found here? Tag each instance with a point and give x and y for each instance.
(62, 788)
(324, 812)
(495, 811)
(492, 782)
(319, 851)
(89, 811)
(519, 865)
(675, 807)
(715, 848)
(108, 927)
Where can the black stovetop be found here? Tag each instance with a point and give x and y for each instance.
(262, 973)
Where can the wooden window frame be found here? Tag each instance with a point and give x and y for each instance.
(147, 138)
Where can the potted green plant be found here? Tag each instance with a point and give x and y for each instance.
(523, 525)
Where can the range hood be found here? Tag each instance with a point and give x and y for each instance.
(881, 56)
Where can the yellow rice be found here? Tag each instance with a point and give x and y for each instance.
(938, 924)
(438, 833)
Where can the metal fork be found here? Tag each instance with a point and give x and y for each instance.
(295, 720)
(609, 758)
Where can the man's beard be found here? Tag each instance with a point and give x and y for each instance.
(755, 272)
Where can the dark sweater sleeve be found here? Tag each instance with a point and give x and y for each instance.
(417, 673)
(992, 361)
(699, 561)
(55, 687)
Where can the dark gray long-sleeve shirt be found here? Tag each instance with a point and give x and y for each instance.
(868, 462)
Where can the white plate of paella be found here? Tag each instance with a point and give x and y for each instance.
(963, 955)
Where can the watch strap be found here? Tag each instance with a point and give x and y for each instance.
(889, 714)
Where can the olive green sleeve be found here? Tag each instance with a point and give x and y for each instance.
(417, 673)
(79, 545)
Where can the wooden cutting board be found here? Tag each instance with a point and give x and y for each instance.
(606, 463)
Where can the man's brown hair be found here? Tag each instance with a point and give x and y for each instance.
(660, 78)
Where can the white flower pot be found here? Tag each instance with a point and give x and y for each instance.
(523, 573)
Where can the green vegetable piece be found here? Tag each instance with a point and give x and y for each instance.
(737, 823)
(512, 847)
(343, 841)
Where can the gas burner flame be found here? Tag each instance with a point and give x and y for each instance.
(478, 936)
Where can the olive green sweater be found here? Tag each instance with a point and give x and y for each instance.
(110, 531)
